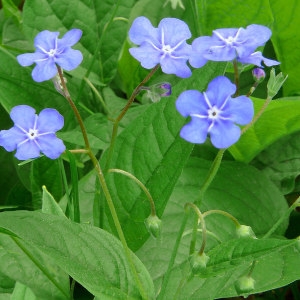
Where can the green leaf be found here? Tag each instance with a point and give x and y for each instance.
(49, 205)
(21, 262)
(91, 256)
(280, 119)
(286, 42)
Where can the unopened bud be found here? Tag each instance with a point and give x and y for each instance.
(58, 85)
(198, 262)
(258, 75)
(153, 225)
(245, 231)
(158, 90)
(245, 285)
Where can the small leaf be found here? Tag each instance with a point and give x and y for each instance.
(49, 205)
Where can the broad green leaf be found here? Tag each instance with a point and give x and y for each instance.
(225, 14)
(23, 263)
(91, 256)
(286, 42)
(280, 119)
(151, 149)
(49, 205)
(238, 189)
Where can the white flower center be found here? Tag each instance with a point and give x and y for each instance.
(213, 113)
(230, 40)
(167, 49)
(32, 134)
(52, 52)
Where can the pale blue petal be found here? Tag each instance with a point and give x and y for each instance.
(142, 30)
(70, 38)
(224, 134)
(69, 59)
(46, 40)
(44, 70)
(195, 131)
(256, 58)
(173, 31)
(49, 120)
(9, 139)
(175, 66)
(191, 102)
(240, 109)
(23, 116)
(28, 59)
(200, 46)
(146, 55)
(219, 89)
(51, 146)
(27, 150)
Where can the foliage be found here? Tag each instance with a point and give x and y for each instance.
(59, 233)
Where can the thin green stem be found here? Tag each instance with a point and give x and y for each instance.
(166, 278)
(104, 187)
(203, 227)
(121, 115)
(282, 218)
(211, 174)
(224, 213)
(141, 185)
(258, 115)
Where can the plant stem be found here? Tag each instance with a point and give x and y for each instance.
(121, 115)
(141, 185)
(224, 213)
(211, 174)
(104, 187)
(161, 295)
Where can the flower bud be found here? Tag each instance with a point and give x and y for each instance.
(156, 91)
(245, 231)
(153, 225)
(245, 285)
(198, 262)
(258, 75)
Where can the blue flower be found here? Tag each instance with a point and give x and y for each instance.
(165, 45)
(32, 134)
(50, 50)
(232, 43)
(214, 112)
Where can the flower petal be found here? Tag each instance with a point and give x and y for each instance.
(191, 102)
(46, 40)
(44, 70)
(28, 59)
(142, 30)
(69, 59)
(256, 58)
(195, 131)
(9, 139)
(224, 134)
(173, 31)
(175, 66)
(199, 47)
(23, 116)
(70, 38)
(49, 120)
(219, 89)
(240, 109)
(51, 146)
(27, 150)
(148, 56)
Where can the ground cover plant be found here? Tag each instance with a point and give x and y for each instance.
(149, 149)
